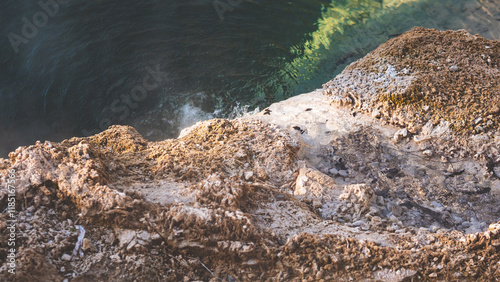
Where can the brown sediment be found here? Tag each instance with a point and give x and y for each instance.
(427, 75)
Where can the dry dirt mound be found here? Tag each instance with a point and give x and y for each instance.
(136, 200)
(221, 230)
(428, 77)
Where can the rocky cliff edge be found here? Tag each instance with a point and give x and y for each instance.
(391, 172)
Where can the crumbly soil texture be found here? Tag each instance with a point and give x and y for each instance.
(429, 77)
(306, 190)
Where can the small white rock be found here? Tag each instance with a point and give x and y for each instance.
(427, 153)
(248, 175)
(358, 223)
(334, 171)
(126, 236)
(376, 114)
(437, 205)
(116, 258)
(426, 108)
(400, 134)
(343, 173)
(144, 236)
(66, 257)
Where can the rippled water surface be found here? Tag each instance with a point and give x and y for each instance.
(72, 68)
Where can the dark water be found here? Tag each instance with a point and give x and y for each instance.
(76, 74)
(72, 68)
